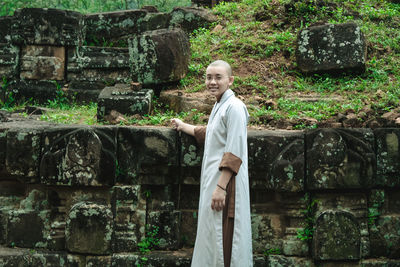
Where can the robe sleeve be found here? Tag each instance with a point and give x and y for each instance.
(200, 134)
(236, 125)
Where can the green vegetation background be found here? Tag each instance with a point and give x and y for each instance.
(258, 37)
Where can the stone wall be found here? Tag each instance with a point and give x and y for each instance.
(43, 51)
(84, 196)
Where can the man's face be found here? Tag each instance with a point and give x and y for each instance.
(218, 80)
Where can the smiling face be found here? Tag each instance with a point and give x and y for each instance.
(218, 80)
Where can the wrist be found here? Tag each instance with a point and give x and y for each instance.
(221, 188)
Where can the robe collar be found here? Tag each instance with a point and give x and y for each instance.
(225, 96)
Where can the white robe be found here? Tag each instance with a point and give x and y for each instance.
(226, 132)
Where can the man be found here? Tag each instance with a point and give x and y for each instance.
(224, 226)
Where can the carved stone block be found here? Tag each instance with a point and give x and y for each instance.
(191, 18)
(9, 55)
(340, 158)
(105, 64)
(154, 258)
(112, 27)
(25, 229)
(336, 237)
(123, 99)
(278, 260)
(42, 62)
(167, 222)
(43, 26)
(191, 159)
(89, 229)
(275, 220)
(3, 150)
(41, 91)
(188, 227)
(98, 261)
(276, 160)
(147, 156)
(81, 156)
(159, 56)
(5, 28)
(331, 47)
(154, 21)
(129, 212)
(23, 153)
(388, 157)
(384, 236)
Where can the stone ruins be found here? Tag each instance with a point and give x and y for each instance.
(127, 196)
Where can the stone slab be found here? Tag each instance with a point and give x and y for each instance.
(276, 160)
(159, 56)
(42, 62)
(123, 99)
(388, 157)
(331, 47)
(46, 26)
(148, 155)
(340, 158)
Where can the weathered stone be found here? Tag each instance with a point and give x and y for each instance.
(385, 237)
(388, 157)
(188, 227)
(90, 69)
(106, 64)
(271, 230)
(336, 237)
(380, 263)
(5, 28)
(25, 228)
(340, 158)
(159, 56)
(147, 156)
(267, 232)
(89, 229)
(154, 21)
(98, 261)
(10, 257)
(191, 159)
(123, 99)
(42, 62)
(112, 28)
(276, 160)
(41, 91)
(3, 226)
(282, 261)
(180, 258)
(43, 26)
(166, 223)
(23, 153)
(178, 102)
(355, 203)
(191, 18)
(129, 218)
(9, 55)
(82, 156)
(3, 151)
(331, 47)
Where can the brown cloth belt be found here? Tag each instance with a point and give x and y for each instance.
(228, 218)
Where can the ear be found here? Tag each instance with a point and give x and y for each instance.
(231, 78)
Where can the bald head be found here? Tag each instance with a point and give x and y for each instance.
(224, 64)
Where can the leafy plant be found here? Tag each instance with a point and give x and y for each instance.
(306, 234)
(272, 251)
(7, 99)
(149, 242)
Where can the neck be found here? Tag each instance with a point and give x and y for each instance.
(220, 96)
